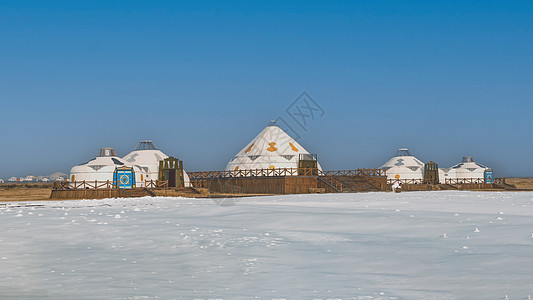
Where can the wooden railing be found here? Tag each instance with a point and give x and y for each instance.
(108, 184)
(500, 180)
(447, 181)
(155, 184)
(85, 184)
(405, 181)
(357, 172)
(333, 183)
(250, 173)
(464, 180)
(284, 172)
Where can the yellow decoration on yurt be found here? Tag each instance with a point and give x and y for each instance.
(293, 148)
(250, 148)
(272, 147)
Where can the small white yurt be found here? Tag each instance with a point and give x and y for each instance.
(446, 173)
(1, 180)
(100, 168)
(146, 156)
(29, 178)
(273, 148)
(404, 166)
(468, 168)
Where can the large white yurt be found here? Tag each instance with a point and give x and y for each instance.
(146, 156)
(468, 168)
(404, 166)
(100, 168)
(273, 148)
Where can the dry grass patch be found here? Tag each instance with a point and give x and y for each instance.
(25, 191)
(521, 182)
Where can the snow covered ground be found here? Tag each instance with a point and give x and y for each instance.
(418, 245)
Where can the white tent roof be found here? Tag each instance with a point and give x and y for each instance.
(273, 148)
(147, 157)
(404, 166)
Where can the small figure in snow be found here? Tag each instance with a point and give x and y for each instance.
(397, 187)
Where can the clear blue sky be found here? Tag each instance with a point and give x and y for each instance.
(202, 78)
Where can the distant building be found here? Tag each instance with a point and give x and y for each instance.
(57, 176)
(29, 178)
(1, 180)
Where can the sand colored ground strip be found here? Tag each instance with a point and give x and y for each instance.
(521, 182)
(25, 191)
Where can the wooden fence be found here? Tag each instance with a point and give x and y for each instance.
(108, 184)
(283, 172)
(356, 172)
(451, 181)
(405, 181)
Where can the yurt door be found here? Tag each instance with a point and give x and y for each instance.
(489, 176)
(171, 171)
(171, 175)
(124, 178)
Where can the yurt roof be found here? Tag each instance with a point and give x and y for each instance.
(403, 158)
(469, 163)
(146, 153)
(403, 152)
(271, 147)
(145, 145)
(99, 168)
(106, 157)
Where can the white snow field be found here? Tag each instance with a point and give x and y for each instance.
(417, 245)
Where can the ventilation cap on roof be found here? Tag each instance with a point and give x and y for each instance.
(403, 152)
(145, 145)
(106, 152)
(272, 123)
(467, 159)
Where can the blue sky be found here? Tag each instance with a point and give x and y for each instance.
(202, 78)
